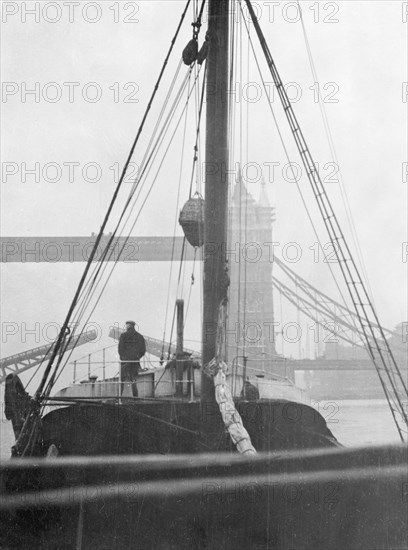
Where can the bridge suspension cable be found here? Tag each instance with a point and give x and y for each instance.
(329, 308)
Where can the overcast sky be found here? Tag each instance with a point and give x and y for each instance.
(74, 136)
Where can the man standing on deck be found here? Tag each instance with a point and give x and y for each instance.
(132, 347)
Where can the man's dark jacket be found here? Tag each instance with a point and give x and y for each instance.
(132, 345)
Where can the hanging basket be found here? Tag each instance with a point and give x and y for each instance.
(192, 221)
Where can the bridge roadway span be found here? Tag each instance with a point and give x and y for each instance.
(28, 359)
(155, 347)
(78, 249)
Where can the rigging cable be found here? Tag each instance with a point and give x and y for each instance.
(196, 144)
(95, 248)
(137, 217)
(191, 286)
(294, 176)
(247, 198)
(194, 170)
(92, 288)
(133, 225)
(198, 24)
(180, 277)
(98, 239)
(91, 280)
(240, 182)
(231, 139)
(153, 155)
(175, 225)
(146, 163)
(98, 268)
(330, 140)
(354, 282)
(124, 244)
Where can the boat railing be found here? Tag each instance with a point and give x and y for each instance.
(96, 368)
(99, 366)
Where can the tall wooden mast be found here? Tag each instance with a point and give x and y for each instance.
(216, 183)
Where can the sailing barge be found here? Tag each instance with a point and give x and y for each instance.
(91, 473)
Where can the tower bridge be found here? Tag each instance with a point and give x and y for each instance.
(248, 302)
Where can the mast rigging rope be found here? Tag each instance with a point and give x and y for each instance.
(98, 239)
(136, 219)
(93, 286)
(382, 357)
(175, 224)
(330, 140)
(294, 177)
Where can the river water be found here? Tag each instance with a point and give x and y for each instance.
(353, 422)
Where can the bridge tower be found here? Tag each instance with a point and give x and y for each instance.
(250, 330)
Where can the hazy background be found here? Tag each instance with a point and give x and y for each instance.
(363, 54)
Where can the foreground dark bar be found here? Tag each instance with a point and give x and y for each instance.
(330, 499)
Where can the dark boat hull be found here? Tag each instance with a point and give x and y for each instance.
(173, 427)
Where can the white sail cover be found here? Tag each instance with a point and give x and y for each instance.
(230, 416)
